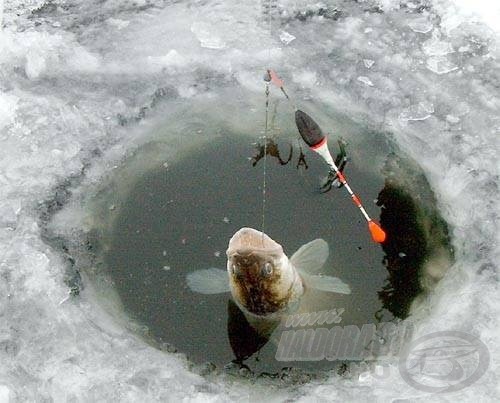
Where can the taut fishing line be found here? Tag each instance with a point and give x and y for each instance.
(316, 140)
(267, 80)
(264, 175)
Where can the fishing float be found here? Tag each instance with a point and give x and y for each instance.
(313, 136)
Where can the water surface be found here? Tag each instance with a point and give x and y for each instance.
(178, 218)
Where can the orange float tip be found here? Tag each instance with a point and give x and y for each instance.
(377, 233)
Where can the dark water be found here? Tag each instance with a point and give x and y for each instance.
(179, 219)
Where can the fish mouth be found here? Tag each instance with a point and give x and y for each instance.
(248, 241)
(254, 290)
(248, 252)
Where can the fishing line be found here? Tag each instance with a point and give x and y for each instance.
(317, 141)
(313, 136)
(264, 176)
(264, 173)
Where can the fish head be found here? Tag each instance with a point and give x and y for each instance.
(260, 276)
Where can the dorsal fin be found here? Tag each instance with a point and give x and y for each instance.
(311, 257)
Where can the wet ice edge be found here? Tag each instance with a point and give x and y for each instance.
(70, 75)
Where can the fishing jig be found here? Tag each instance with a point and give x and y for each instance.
(313, 136)
(270, 148)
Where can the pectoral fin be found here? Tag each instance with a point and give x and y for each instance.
(208, 281)
(311, 257)
(326, 283)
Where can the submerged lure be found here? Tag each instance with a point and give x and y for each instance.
(264, 283)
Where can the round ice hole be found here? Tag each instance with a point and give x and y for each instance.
(177, 217)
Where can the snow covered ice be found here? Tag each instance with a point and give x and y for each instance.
(83, 83)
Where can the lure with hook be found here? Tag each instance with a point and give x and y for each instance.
(313, 136)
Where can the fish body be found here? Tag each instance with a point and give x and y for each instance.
(264, 282)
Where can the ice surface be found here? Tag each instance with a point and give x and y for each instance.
(440, 65)
(286, 37)
(368, 63)
(8, 106)
(421, 25)
(437, 47)
(421, 111)
(206, 36)
(72, 74)
(119, 24)
(172, 59)
(365, 80)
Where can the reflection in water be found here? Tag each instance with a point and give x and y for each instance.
(412, 233)
(245, 339)
(417, 242)
(405, 249)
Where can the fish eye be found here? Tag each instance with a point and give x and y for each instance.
(267, 269)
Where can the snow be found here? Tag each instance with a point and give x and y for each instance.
(8, 106)
(67, 72)
(482, 10)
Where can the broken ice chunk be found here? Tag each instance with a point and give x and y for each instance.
(36, 64)
(286, 38)
(8, 106)
(365, 80)
(437, 47)
(117, 23)
(208, 39)
(6, 395)
(171, 59)
(440, 65)
(421, 111)
(306, 78)
(420, 25)
(368, 63)
(9, 212)
(365, 377)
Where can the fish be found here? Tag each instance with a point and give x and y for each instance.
(264, 283)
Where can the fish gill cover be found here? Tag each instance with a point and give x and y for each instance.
(81, 81)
